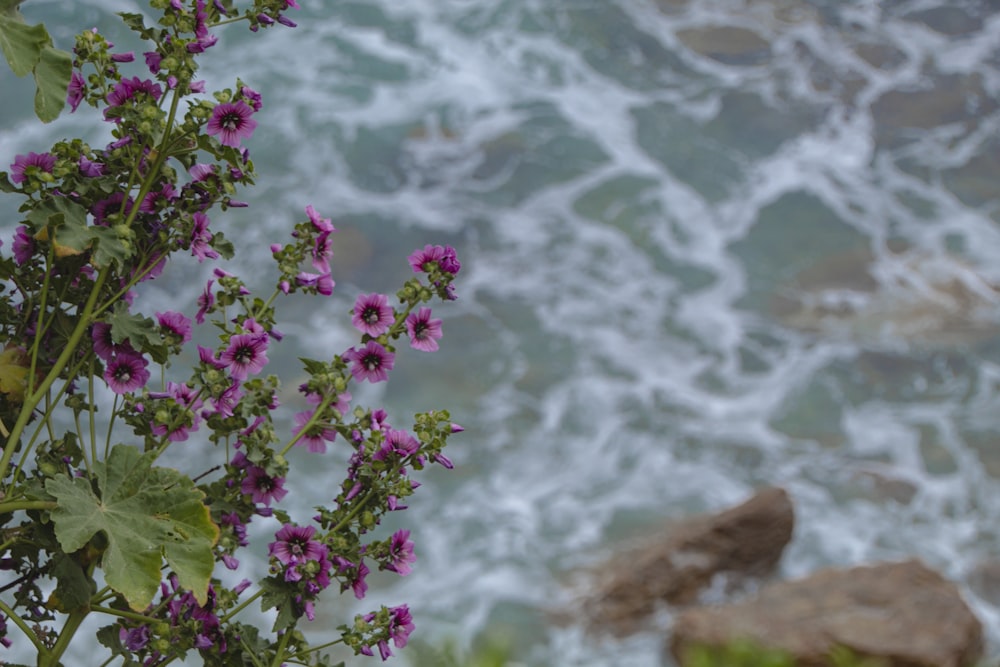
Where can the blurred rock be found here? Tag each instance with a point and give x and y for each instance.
(903, 614)
(899, 297)
(984, 580)
(746, 540)
(902, 115)
(727, 44)
(951, 21)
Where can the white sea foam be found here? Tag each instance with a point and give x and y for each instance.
(628, 367)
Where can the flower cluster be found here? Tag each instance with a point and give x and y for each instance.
(92, 524)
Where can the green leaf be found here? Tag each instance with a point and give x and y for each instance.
(5, 184)
(142, 332)
(21, 43)
(110, 247)
(223, 245)
(73, 586)
(9, 7)
(146, 514)
(52, 74)
(280, 595)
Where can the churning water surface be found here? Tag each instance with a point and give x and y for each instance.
(707, 246)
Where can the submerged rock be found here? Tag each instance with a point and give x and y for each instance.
(727, 44)
(903, 614)
(899, 298)
(746, 540)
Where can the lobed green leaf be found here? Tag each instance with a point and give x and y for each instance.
(52, 74)
(146, 514)
(21, 43)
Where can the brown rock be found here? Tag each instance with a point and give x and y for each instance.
(727, 44)
(746, 540)
(902, 614)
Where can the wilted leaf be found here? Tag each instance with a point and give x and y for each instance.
(13, 372)
(146, 514)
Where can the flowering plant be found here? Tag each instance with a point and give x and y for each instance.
(90, 523)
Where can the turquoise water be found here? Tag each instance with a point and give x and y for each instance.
(706, 246)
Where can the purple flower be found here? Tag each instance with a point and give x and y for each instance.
(400, 553)
(126, 372)
(252, 96)
(109, 206)
(153, 60)
(24, 246)
(228, 399)
(321, 224)
(316, 436)
(134, 639)
(201, 237)
(443, 460)
(126, 89)
(201, 171)
(400, 625)
(89, 168)
(205, 302)
(104, 344)
(246, 355)
(43, 161)
(423, 331)
(232, 122)
(372, 362)
(372, 314)
(74, 92)
(232, 520)
(175, 324)
(263, 488)
(293, 545)
(358, 583)
(322, 283)
(444, 257)
(321, 252)
(207, 356)
(449, 263)
(400, 442)
(185, 396)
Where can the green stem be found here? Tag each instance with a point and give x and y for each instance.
(32, 400)
(46, 420)
(111, 426)
(19, 622)
(130, 615)
(248, 653)
(313, 420)
(267, 304)
(314, 649)
(51, 658)
(241, 606)
(17, 505)
(39, 321)
(91, 410)
(232, 20)
(279, 655)
(354, 512)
